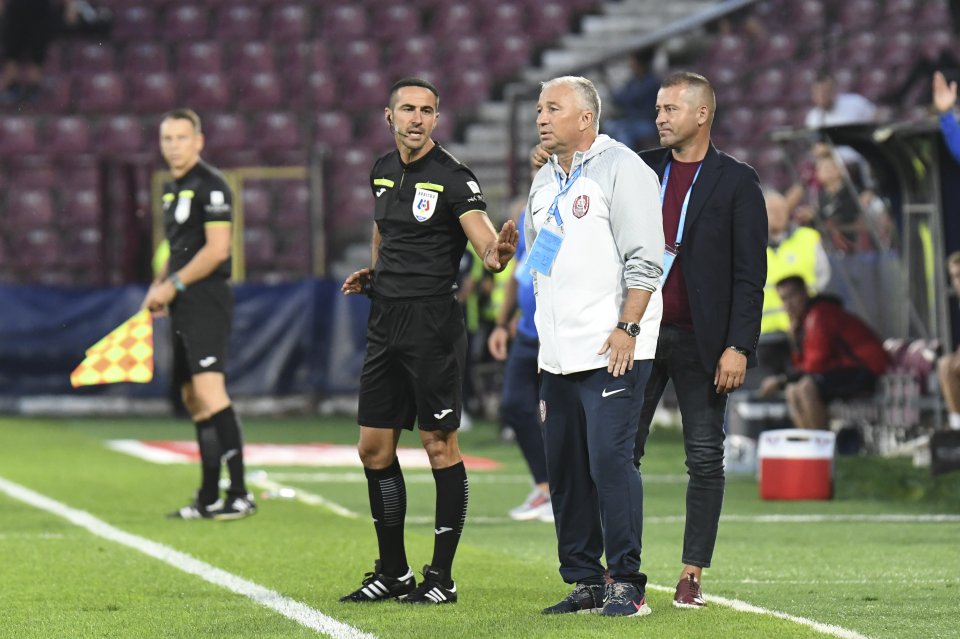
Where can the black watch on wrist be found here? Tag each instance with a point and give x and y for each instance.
(632, 328)
(742, 351)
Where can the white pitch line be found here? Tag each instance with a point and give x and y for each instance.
(742, 606)
(294, 610)
(311, 499)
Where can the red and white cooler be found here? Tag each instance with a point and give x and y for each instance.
(796, 464)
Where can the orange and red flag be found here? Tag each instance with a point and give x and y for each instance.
(124, 355)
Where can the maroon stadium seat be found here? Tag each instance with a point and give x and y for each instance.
(253, 57)
(205, 91)
(468, 52)
(468, 89)
(456, 19)
(356, 56)
(398, 21)
(238, 22)
(333, 129)
(145, 57)
(32, 172)
(294, 206)
(87, 57)
(507, 17)
(120, 134)
(197, 57)
(225, 132)
(288, 23)
(28, 209)
(186, 22)
(861, 49)
(153, 92)
(342, 23)
(367, 90)
(808, 16)
(510, 55)
(99, 93)
(856, 15)
(18, 135)
(276, 131)
(81, 208)
(259, 251)
(322, 91)
(768, 85)
(136, 23)
(551, 19)
(259, 92)
(68, 135)
(256, 205)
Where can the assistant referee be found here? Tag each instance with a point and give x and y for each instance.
(428, 205)
(197, 215)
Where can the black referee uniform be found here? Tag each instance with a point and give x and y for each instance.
(416, 337)
(202, 314)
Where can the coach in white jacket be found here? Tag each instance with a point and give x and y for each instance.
(595, 243)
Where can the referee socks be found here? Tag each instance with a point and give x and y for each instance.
(209, 444)
(231, 446)
(452, 496)
(388, 507)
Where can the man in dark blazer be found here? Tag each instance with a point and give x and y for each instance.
(712, 297)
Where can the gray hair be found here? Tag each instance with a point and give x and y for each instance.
(589, 98)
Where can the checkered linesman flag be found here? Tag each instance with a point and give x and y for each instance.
(124, 355)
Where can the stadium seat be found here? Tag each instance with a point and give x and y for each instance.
(256, 204)
(18, 135)
(423, 49)
(238, 23)
(81, 208)
(807, 16)
(356, 56)
(199, 57)
(134, 24)
(549, 20)
(322, 91)
(510, 55)
(79, 175)
(778, 48)
(470, 88)
(368, 90)
(253, 57)
(857, 15)
(186, 22)
(288, 23)
(293, 210)
(259, 92)
(468, 52)
(259, 251)
(37, 251)
(205, 91)
(225, 132)
(294, 253)
(898, 50)
(87, 57)
(28, 209)
(333, 129)
(145, 57)
(507, 17)
(153, 92)
(276, 131)
(861, 49)
(120, 134)
(396, 22)
(99, 93)
(346, 22)
(874, 83)
(768, 85)
(67, 135)
(456, 19)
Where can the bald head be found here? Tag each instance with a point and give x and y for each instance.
(778, 212)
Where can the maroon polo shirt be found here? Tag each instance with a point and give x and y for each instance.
(676, 306)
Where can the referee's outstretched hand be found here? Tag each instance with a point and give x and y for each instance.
(357, 282)
(495, 258)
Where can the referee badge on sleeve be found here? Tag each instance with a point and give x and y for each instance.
(424, 204)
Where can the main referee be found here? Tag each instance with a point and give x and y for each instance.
(427, 206)
(197, 214)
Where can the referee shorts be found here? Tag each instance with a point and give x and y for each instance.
(200, 319)
(414, 365)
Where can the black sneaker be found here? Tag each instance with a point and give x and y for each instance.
(196, 510)
(236, 507)
(624, 599)
(584, 598)
(432, 589)
(378, 586)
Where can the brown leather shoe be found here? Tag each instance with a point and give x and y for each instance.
(688, 593)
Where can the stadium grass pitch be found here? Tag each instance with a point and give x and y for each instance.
(873, 562)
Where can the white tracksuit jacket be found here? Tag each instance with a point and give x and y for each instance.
(612, 241)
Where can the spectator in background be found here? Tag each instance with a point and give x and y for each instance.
(831, 109)
(836, 355)
(791, 250)
(948, 366)
(944, 101)
(521, 380)
(28, 28)
(635, 103)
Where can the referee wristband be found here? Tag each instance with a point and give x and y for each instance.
(177, 283)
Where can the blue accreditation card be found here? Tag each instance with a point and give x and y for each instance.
(669, 255)
(544, 251)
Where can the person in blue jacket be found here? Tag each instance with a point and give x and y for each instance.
(944, 101)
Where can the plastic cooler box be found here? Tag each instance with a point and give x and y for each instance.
(796, 464)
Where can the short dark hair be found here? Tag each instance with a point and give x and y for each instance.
(695, 80)
(413, 82)
(953, 258)
(183, 114)
(793, 281)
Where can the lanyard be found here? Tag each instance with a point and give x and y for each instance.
(554, 208)
(686, 199)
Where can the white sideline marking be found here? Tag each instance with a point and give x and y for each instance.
(742, 606)
(294, 610)
(311, 499)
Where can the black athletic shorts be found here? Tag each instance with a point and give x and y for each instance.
(200, 319)
(844, 383)
(414, 363)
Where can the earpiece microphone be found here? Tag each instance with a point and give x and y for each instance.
(394, 129)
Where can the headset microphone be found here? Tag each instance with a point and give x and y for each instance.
(394, 129)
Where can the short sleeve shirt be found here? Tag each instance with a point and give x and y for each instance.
(199, 198)
(418, 209)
